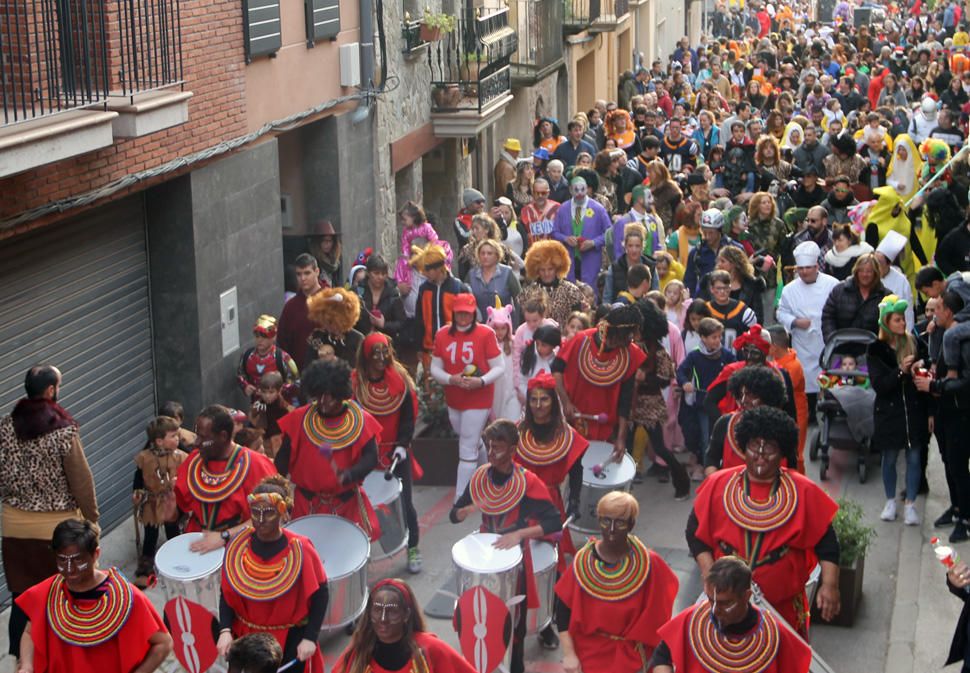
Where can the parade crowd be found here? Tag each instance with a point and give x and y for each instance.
(765, 231)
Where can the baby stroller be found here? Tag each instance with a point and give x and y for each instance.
(845, 401)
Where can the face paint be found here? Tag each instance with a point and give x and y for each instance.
(68, 564)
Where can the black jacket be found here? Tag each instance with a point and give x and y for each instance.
(900, 410)
(953, 252)
(390, 304)
(845, 308)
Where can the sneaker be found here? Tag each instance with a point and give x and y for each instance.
(414, 560)
(697, 474)
(680, 496)
(911, 516)
(638, 477)
(548, 638)
(945, 519)
(889, 511)
(960, 533)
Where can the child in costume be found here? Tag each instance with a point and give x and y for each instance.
(265, 356)
(505, 403)
(153, 491)
(268, 409)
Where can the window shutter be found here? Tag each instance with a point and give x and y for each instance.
(261, 19)
(322, 20)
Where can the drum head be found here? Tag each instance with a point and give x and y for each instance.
(475, 553)
(381, 491)
(343, 546)
(543, 555)
(613, 474)
(175, 561)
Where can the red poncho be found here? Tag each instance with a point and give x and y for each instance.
(757, 526)
(616, 613)
(551, 463)
(314, 472)
(272, 595)
(437, 655)
(732, 455)
(383, 400)
(696, 645)
(214, 492)
(593, 379)
(67, 640)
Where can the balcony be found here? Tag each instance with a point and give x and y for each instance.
(77, 74)
(611, 13)
(540, 52)
(471, 75)
(411, 40)
(579, 15)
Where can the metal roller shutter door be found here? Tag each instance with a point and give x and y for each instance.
(76, 296)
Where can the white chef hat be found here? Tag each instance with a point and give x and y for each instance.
(806, 253)
(892, 244)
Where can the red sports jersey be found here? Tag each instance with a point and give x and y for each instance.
(460, 352)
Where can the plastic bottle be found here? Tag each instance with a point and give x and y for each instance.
(945, 554)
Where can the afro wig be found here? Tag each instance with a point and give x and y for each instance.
(334, 309)
(547, 253)
(771, 425)
(653, 326)
(327, 378)
(765, 383)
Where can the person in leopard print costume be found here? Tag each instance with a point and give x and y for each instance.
(546, 266)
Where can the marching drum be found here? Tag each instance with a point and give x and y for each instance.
(344, 549)
(609, 476)
(480, 564)
(385, 496)
(544, 558)
(186, 573)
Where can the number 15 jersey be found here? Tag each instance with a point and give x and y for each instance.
(460, 353)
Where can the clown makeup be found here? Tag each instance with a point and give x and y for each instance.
(578, 189)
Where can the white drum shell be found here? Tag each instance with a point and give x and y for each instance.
(385, 498)
(614, 477)
(544, 559)
(195, 576)
(344, 549)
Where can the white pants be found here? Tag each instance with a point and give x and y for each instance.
(468, 425)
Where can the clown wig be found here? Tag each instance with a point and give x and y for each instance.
(335, 309)
(547, 253)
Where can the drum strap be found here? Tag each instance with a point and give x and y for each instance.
(773, 556)
(264, 627)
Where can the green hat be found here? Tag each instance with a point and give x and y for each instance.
(891, 304)
(794, 216)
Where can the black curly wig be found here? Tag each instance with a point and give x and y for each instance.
(763, 382)
(771, 425)
(653, 321)
(327, 378)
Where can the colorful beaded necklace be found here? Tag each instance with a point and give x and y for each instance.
(599, 372)
(253, 578)
(718, 653)
(536, 453)
(89, 626)
(322, 431)
(614, 582)
(496, 500)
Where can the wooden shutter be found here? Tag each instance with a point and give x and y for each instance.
(261, 25)
(322, 20)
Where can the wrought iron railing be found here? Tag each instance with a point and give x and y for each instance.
(608, 18)
(150, 41)
(470, 66)
(538, 25)
(578, 15)
(53, 56)
(411, 37)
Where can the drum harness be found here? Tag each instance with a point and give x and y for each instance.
(773, 556)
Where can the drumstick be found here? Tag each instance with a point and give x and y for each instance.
(599, 418)
(389, 472)
(287, 665)
(569, 520)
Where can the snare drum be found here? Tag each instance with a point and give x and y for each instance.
(344, 549)
(195, 576)
(480, 564)
(544, 559)
(612, 477)
(385, 496)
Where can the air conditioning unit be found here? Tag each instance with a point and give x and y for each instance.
(350, 64)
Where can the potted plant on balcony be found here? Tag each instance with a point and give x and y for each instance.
(855, 536)
(434, 25)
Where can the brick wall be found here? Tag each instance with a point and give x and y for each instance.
(212, 45)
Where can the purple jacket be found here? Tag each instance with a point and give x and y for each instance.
(596, 222)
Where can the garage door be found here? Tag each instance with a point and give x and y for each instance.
(76, 296)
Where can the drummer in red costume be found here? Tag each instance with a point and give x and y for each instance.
(614, 597)
(752, 387)
(594, 374)
(214, 481)
(516, 505)
(63, 636)
(392, 637)
(777, 520)
(273, 582)
(727, 633)
(383, 387)
(329, 447)
(552, 450)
